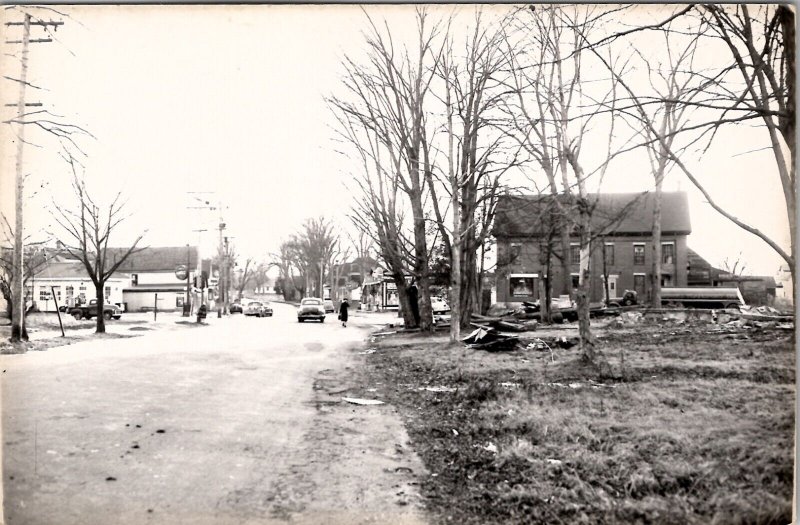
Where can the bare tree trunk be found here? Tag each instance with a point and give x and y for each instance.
(100, 297)
(655, 297)
(606, 288)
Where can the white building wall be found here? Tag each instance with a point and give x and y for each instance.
(43, 291)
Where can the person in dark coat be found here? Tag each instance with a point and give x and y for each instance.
(343, 306)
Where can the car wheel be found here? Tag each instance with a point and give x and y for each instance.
(322, 320)
(78, 316)
(107, 315)
(299, 320)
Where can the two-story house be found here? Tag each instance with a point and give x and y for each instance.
(621, 225)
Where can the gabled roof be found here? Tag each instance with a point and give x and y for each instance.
(613, 213)
(68, 269)
(155, 259)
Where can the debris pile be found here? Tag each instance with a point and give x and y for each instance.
(490, 340)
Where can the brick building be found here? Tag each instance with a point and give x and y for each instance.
(622, 229)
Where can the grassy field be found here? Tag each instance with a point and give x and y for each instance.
(692, 426)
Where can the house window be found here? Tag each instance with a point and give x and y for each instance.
(609, 250)
(522, 285)
(514, 249)
(134, 279)
(638, 254)
(576, 280)
(666, 280)
(179, 301)
(574, 254)
(668, 253)
(70, 292)
(44, 295)
(107, 293)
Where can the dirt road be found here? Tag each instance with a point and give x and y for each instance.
(239, 422)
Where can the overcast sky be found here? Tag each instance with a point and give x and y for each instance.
(230, 100)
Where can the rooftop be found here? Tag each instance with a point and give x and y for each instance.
(612, 213)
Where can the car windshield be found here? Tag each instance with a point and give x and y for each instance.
(311, 301)
(254, 303)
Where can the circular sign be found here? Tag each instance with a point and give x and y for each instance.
(180, 272)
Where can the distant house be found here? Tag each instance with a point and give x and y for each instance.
(153, 277)
(64, 282)
(755, 289)
(622, 224)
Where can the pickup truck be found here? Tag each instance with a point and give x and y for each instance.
(87, 311)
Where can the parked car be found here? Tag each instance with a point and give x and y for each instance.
(439, 306)
(328, 304)
(311, 308)
(235, 308)
(87, 311)
(267, 309)
(255, 308)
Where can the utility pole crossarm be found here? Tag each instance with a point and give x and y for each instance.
(30, 41)
(43, 23)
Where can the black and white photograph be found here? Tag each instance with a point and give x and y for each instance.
(402, 264)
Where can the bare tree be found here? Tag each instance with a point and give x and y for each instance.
(88, 230)
(260, 277)
(735, 267)
(384, 115)
(286, 261)
(557, 115)
(34, 260)
(477, 158)
(245, 277)
(757, 82)
(317, 243)
(761, 41)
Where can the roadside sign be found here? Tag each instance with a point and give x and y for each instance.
(180, 272)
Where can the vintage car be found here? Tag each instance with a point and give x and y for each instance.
(256, 308)
(311, 308)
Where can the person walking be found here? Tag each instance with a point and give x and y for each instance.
(343, 306)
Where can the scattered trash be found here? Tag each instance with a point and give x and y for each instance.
(491, 447)
(631, 317)
(538, 344)
(509, 385)
(368, 351)
(358, 401)
(455, 432)
(111, 478)
(160, 431)
(556, 462)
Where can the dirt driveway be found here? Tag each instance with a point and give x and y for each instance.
(238, 422)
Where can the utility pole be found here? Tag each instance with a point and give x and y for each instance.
(227, 270)
(221, 280)
(18, 331)
(187, 306)
(204, 205)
